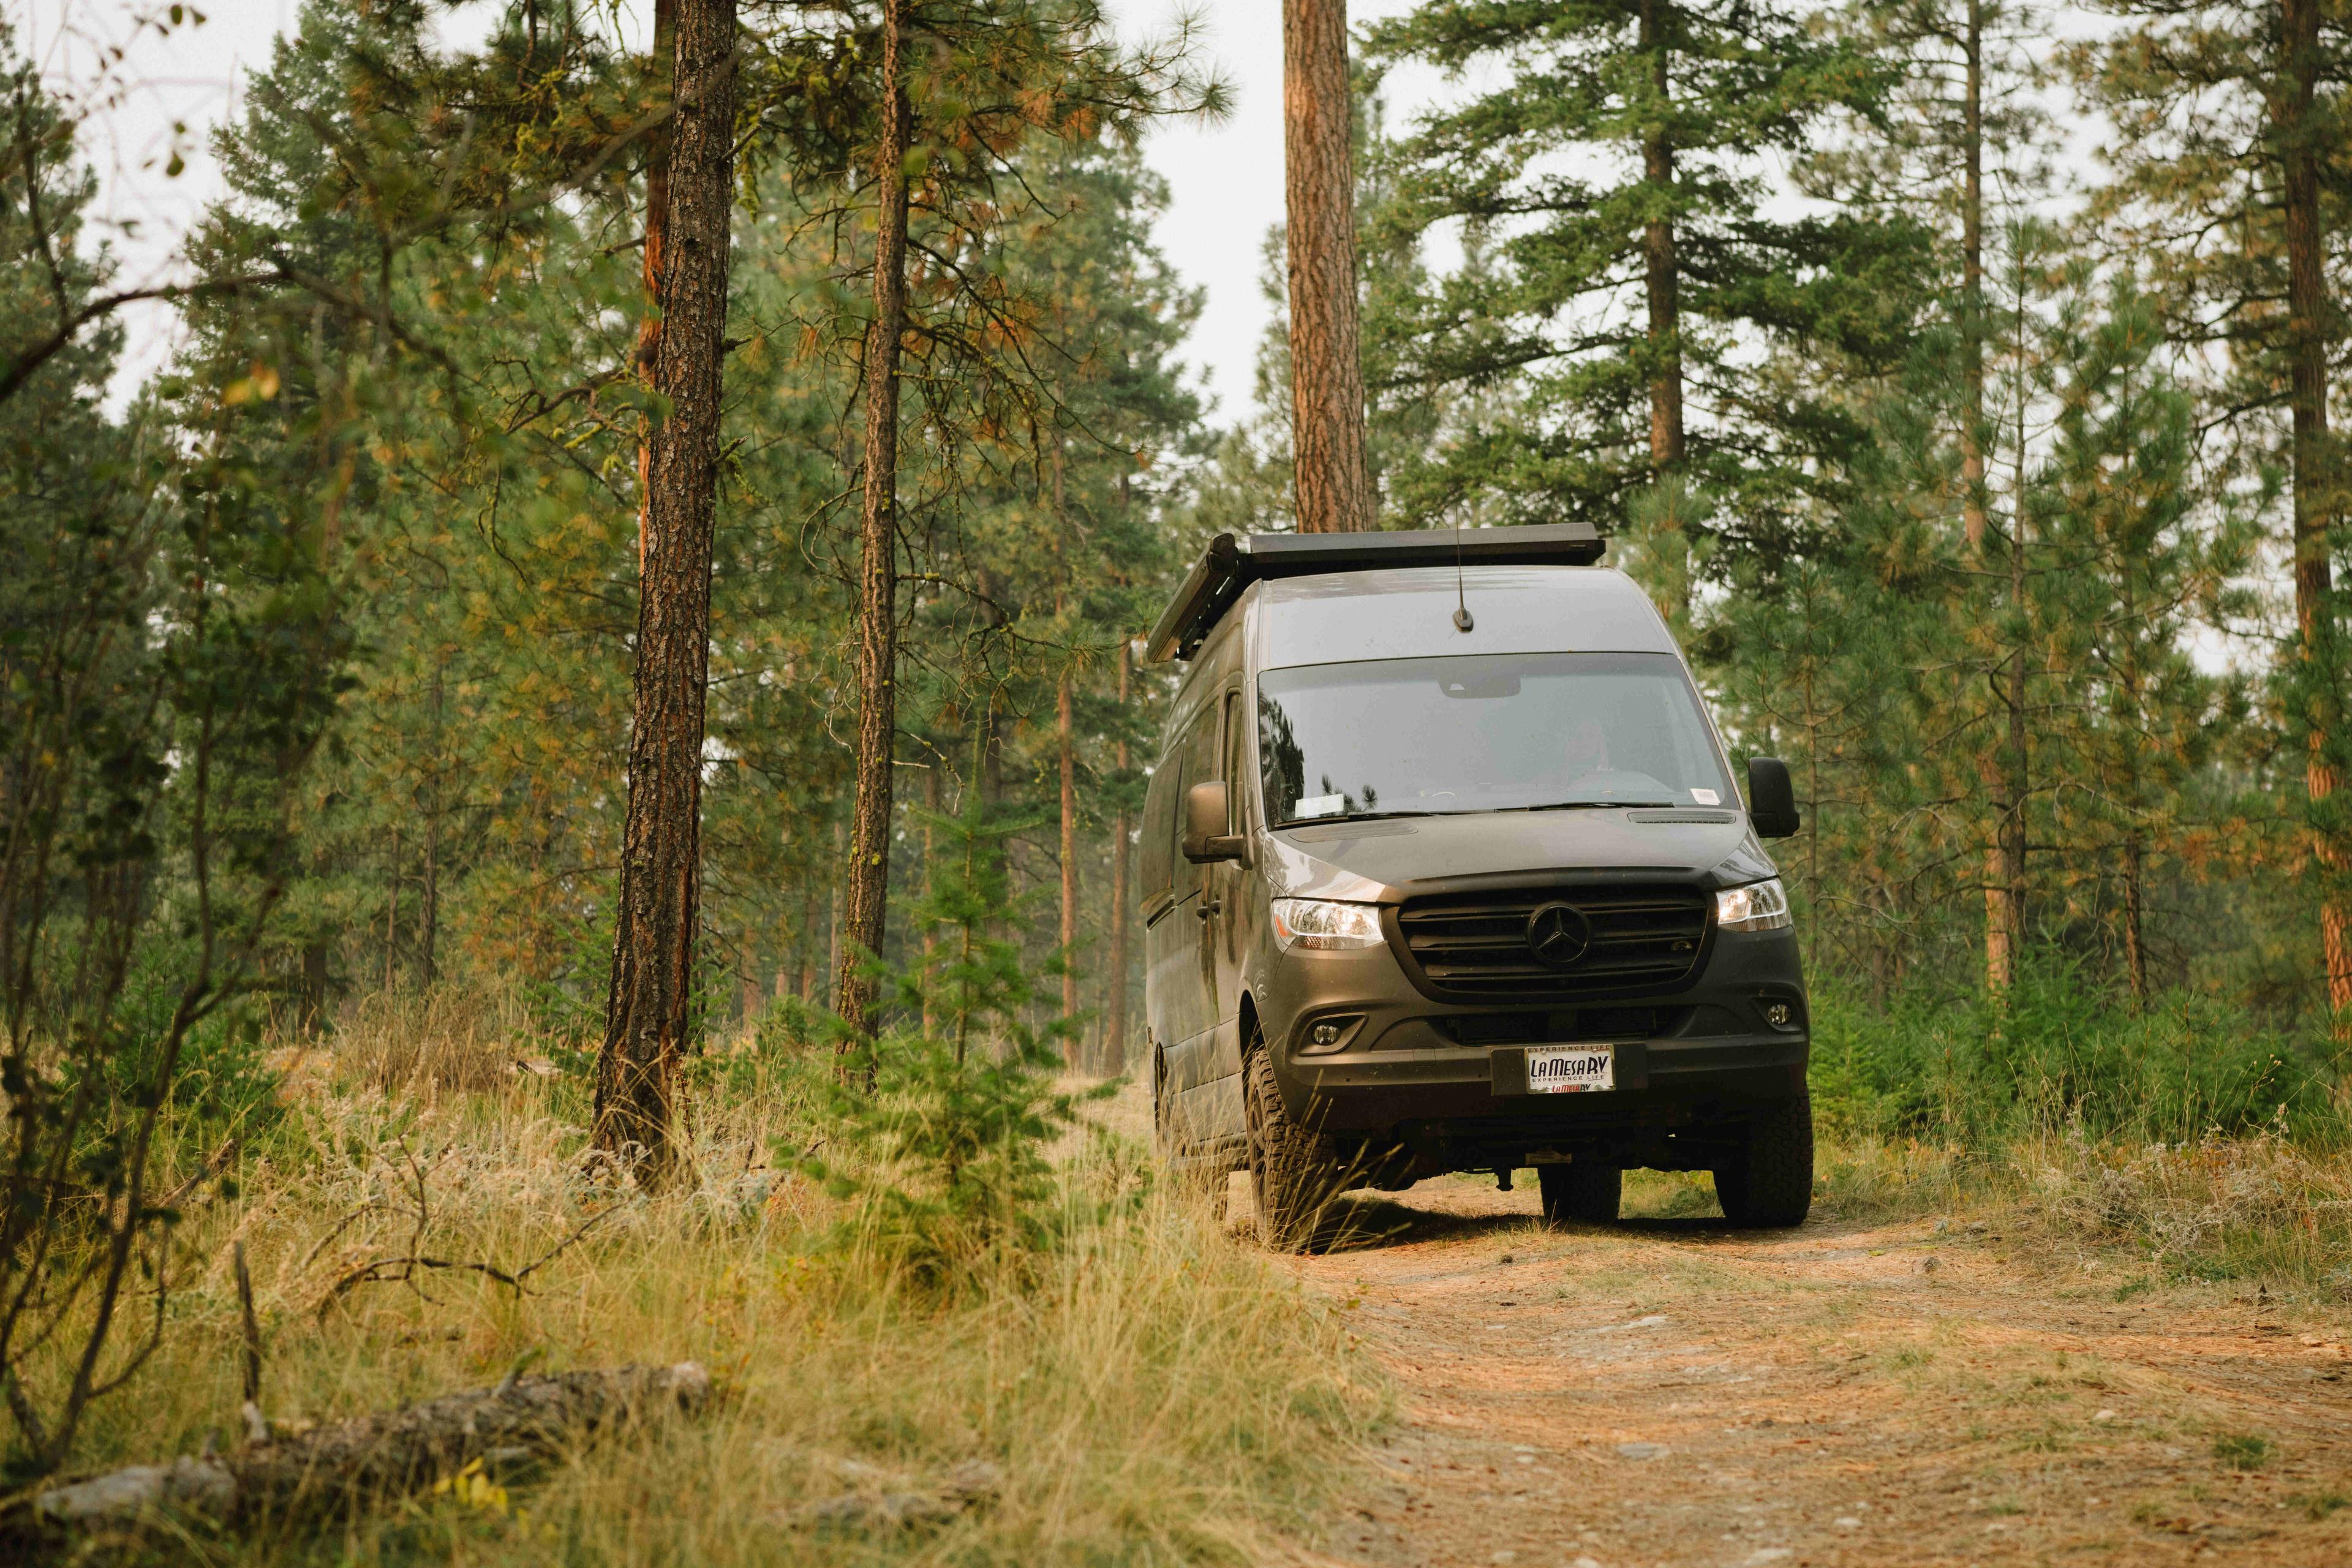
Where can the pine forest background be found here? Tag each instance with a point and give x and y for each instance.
(1955, 376)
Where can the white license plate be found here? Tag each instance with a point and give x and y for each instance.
(1571, 1069)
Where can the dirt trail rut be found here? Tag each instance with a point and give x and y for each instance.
(1671, 1392)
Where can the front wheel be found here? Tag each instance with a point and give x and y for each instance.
(1293, 1172)
(1769, 1184)
(1581, 1192)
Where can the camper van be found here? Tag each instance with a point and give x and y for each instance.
(1443, 868)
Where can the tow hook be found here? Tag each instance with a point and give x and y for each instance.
(1502, 1178)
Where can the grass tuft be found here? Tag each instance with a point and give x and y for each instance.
(2244, 1451)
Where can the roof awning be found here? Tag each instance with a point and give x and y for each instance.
(1233, 562)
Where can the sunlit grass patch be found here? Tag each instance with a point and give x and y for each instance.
(1147, 1390)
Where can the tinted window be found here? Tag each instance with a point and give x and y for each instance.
(1484, 733)
(1199, 753)
(1153, 879)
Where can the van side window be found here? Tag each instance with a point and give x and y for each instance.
(1159, 848)
(1198, 751)
(1236, 774)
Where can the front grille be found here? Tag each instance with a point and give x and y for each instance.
(1644, 937)
(1565, 1023)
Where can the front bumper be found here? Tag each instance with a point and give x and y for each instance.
(1439, 1080)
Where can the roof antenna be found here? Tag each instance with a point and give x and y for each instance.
(1462, 621)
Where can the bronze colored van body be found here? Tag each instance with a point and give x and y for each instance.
(1416, 829)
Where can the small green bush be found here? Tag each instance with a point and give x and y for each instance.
(941, 1125)
(2060, 1053)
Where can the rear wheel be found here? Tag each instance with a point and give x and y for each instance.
(1581, 1192)
(1769, 1182)
(1293, 1172)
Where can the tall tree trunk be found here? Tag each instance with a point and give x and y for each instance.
(429, 906)
(2316, 498)
(392, 916)
(1999, 957)
(2019, 783)
(2012, 837)
(1066, 743)
(868, 887)
(656, 247)
(1326, 375)
(1972, 300)
(650, 1008)
(429, 808)
(1659, 265)
(832, 908)
(314, 986)
(1115, 1008)
(935, 786)
(2135, 946)
(805, 951)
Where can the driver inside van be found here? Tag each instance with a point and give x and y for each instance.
(1587, 751)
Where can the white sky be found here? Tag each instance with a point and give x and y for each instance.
(1225, 180)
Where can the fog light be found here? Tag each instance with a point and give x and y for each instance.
(1776, 1014)
(1329, 1034)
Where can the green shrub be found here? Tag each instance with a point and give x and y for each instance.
(941, 1125)
(2059, 1055)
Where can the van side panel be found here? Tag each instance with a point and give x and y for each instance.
(1181, 996)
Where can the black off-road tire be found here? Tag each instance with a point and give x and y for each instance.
(1770, 1185)
(1293, 1172)
(1581, 1192)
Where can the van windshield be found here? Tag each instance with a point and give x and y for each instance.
(1484, 733)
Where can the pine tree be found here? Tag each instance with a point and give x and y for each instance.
(2227, 123)
(2141, 554)
(1332, 474)
(649, 1018)
(1612, 183)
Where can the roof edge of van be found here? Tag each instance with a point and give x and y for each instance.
(1233, 562)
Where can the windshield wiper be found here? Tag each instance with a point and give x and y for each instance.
(1358, 816)
(1589, 805)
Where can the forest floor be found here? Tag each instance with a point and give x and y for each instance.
(1666, 1391)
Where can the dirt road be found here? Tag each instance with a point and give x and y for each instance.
(1669, 1391)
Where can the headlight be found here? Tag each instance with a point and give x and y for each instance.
(1760, 906)
(1320, 923)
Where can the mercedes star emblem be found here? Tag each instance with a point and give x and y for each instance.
(1558, 934)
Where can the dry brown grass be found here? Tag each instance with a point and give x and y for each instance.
(2265, 1209)
(448, 1039)
(1153, 1393)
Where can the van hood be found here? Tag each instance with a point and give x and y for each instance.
(1386, 861)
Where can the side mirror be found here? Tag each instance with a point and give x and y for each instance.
(1205, 820)
(1771, 800)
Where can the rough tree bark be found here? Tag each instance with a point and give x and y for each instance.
(657, 246)
(1114, 1004)
(2000, 961)
(1066, 742)
(935, 787)
(866, 886)
(2315, 500)
(1660, 277)
(1972, 311)
(647, 1012)
(2012, 753)
(1326, 376)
